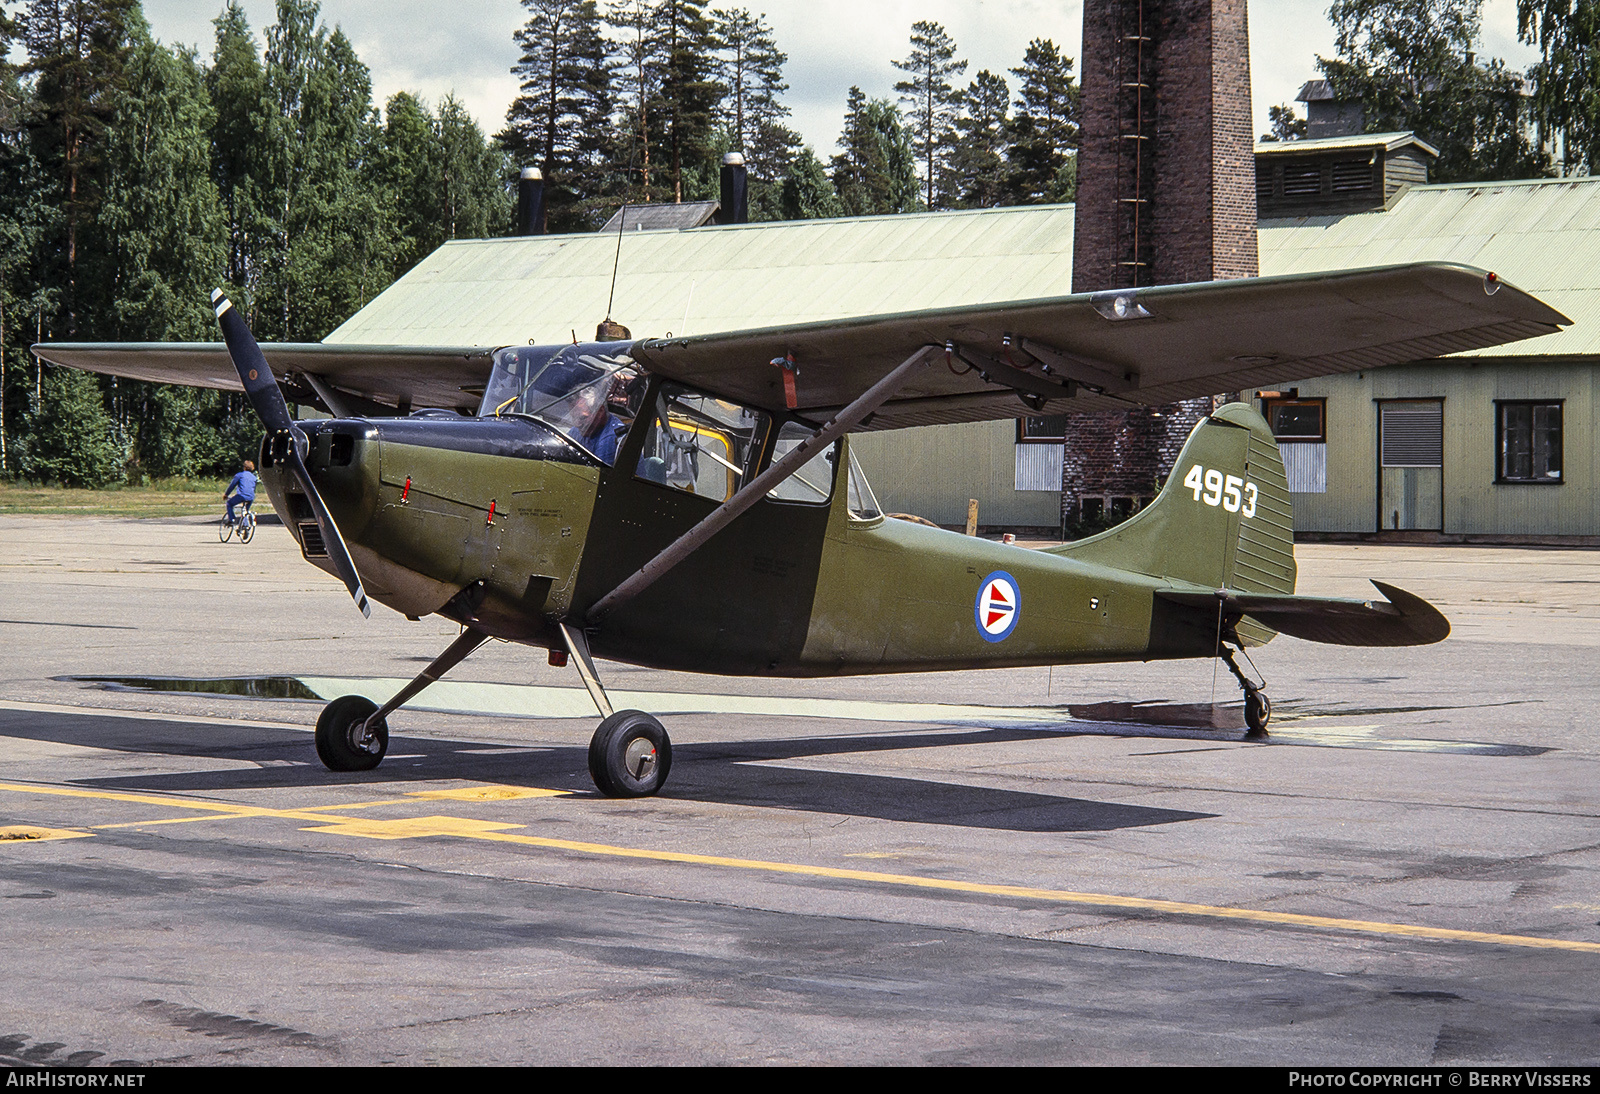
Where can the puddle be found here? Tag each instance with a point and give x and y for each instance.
(1154, 713)
(254, 687)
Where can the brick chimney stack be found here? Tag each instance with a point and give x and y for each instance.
(1166, 195)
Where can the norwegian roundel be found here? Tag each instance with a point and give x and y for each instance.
(999, 606)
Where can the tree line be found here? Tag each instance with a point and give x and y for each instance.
(135, 176)
(638, 101)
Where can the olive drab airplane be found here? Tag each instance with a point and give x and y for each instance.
(691, 503)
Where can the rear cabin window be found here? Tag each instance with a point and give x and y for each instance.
(700, 444)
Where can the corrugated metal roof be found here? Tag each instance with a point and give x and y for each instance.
(1542, 235)
(1308, 147)
(732, 277)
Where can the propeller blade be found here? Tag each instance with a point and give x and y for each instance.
(260, 386)
(332, 540)
(267, 399)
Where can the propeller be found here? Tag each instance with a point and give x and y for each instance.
(269, 404)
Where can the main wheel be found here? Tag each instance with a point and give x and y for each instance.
(224, 530)
(1257, 712)
(339, 736)
(247, 528)
(630, 755)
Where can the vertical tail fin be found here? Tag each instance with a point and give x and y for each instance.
(1223, 519)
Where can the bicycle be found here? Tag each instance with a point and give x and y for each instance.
(244, 524)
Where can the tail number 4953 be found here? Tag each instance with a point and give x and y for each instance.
(1214, 488)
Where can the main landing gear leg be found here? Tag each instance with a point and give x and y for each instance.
(630, 754)
(352, 734)
(1257, 707)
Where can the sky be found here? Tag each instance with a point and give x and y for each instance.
(465, 47)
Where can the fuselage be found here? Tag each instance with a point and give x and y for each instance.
(507, 525)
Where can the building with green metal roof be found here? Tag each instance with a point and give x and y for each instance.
(1491, 444)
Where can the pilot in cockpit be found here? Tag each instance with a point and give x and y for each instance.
(601, 414)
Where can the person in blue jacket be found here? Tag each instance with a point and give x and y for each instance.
(241, 489)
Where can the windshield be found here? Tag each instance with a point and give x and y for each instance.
(588, 393)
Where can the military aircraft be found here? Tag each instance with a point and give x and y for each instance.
(691, 503)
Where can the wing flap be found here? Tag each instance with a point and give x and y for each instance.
(421, 376)
(1403, 619)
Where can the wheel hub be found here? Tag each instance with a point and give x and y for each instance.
(640, 757)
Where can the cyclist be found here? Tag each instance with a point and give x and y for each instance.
(241, 489)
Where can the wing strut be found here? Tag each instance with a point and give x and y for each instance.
(758, 487)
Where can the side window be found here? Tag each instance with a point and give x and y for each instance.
(1299, 420)
(700, 444)
(1530, 442)
(814, 481)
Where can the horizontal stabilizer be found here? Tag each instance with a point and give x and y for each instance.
(1402, 620)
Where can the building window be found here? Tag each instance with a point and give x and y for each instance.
(1528, 442)
(1297, 420)
(1050, 430)
(1300, 427)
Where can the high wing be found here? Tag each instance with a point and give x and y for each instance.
(1110, 350)
(1406, 620)
(1089, 351)
(370, 379)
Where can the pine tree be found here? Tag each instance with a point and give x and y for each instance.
(559, 122)
(877, 171)
(76, 49)
(689, 94)
(934, 102)
(639, 72)
(805, 192)
(978, 178)
(1044, 129)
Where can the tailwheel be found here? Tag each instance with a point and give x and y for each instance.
(630, 755)
(1257, 707)
(348, 738)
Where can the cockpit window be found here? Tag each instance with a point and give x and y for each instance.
(588, 393)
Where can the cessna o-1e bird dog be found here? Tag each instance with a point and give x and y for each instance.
(691, 503)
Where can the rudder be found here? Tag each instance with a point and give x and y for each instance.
(1223, 519)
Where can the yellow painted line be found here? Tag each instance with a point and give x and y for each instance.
(468, 828)
(1059, 896)
(32, 833)
(412, 827)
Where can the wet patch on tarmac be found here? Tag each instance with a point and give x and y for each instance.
(1296, 722)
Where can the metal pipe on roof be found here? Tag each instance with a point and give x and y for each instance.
(530, 202)
(735, 191)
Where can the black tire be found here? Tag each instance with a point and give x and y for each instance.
(247, 528)
(339, 735)
(1257, 712)
(224, 531)
(630, 755)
